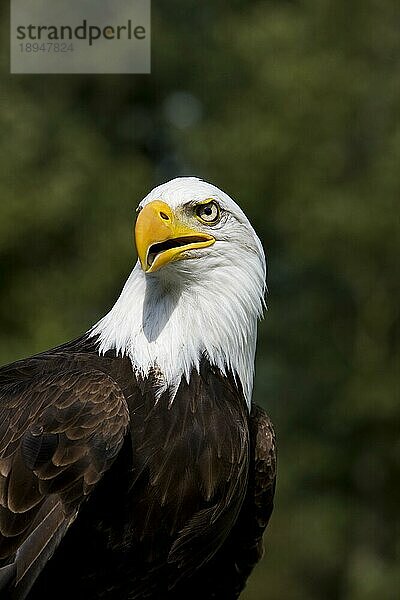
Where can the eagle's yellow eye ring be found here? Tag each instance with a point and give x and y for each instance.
(208, 213)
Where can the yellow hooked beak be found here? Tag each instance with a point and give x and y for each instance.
(161, 238)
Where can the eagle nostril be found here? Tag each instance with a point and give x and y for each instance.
(164, 216)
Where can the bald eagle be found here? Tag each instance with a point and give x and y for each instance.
(133, 463)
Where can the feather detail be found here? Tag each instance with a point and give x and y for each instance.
(58, 451)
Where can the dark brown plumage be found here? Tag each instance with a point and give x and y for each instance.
(135, 498)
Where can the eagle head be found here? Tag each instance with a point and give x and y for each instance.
(188, 219)
(197, 289)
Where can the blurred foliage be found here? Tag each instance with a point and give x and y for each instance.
(293, 108)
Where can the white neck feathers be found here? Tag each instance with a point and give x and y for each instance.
(169, 324)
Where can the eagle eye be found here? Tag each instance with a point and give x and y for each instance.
(208, 213)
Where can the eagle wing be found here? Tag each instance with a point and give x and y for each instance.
(244, 549)
(259, 503)
(59, 432)
(262, 485)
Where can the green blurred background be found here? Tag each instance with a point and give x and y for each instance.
(292, 107)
